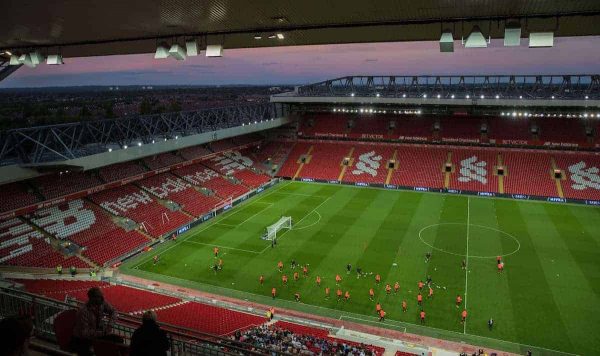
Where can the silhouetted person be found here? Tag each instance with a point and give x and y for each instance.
(149, 339)
(89, 323)
(14, 336)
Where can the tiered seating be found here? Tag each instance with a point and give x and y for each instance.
(90, 227)
(301, 329)
(139, 206)
(21, 245)
(325, 125)
(290, 166)
(162, 160)
(529, 173)
(326, 161)
(119, 171)
(582, 173)
(196, 174)
(228, 163)
(251, 179)
(57, 288)
(370, 164)
(371, 126)
(194, 152)
(456, 128)
(560, 129)
(222, 145)
(55, 185)
(414, 128)
(500, 128)
(167, 186)
(402, 353)
(246, 139)
(420, 166)
(15, 195)
(474, 170)
(224, 188)
(208, 318)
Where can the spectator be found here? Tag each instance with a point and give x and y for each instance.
(89, 323)
(14, 336)
(149, 339)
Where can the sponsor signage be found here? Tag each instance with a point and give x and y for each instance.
(486, 194)
(520, 196)
(307, 180)
(360, 184)
(592, 202)
(334, 181)
(453, 191)
(421, 189)
(183, 229)
(557, 200)
(390, 186)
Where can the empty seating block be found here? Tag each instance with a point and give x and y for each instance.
(290, 166)
(208, 318)
(14, 196)
(474, 170)
(302, 330)
(88, 226)
(582, 173)
(21, 245)
(561, 130)
(325, 125)
(251, 179)
(224, 188)
(229, 162)
(420, 166)
(222, 145)
(508, 128)
(141, 207)
(168, 186)
(162, 160)
(57, 289)
(370, 164)
(55, 185)
(457, 128)
(121, 171)
(326, 161)
(194, 152)
(371, 127)
(413, 128)
(529, 173)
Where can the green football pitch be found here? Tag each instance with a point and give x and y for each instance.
(547, 299)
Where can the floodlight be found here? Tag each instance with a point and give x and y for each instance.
(191, 48)
(54, 59)
(36, 58)
(475, 39)
(14, 60)
(214, 50)
(447, 42)
(162, 51)
(280, 36)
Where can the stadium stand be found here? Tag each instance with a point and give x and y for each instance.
(474, 170)
(246, 139)
(22, 245)
(214, 320)
(162, 160)
(121, 171)
(224, 188)
(221, 145)
(560, 129)
(168, 186)
(325, 161)
(301, 329)
(369, 164)
(194, 152)
(251, 179)
(228, 163)
(325, 125)
(138, 205)
(581, 178)
(456, 128)
(414, 128)
(16, 195)
(271, 154)
(88, 226)
(290, 166)
(55, 185)
(505, 128)
(419, 166)
(371, 127)
(528, 173)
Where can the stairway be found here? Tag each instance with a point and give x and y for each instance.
(303, 163)
(391, 170)
(447, 175)
(345, 167)
(501, 178)
(557, 181)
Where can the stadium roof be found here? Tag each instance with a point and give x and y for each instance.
(107, 27)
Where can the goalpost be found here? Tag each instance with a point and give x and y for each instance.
(284, 223)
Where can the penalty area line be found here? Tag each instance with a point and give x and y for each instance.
(223, 247)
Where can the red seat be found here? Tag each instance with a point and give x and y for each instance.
(63, 328)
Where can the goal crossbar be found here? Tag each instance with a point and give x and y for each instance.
(285, 222)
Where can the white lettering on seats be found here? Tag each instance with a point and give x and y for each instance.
(584, 177)
(471, 169)
(201, 176)
(367, 163)
(63, 223)
(168, 186)
(127, 202)
(233, 161)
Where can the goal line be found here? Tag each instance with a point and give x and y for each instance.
(285, 222)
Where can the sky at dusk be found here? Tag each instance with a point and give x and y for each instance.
(306, 64)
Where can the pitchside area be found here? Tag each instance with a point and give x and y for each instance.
(546, 298)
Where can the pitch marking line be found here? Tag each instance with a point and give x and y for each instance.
(211, 223)
(299, 221)
(223, 247)
(250, 217)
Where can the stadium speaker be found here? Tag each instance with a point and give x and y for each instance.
(177, 52)
(36, 58)
(162, 51)
(541, 39)
(14, 60)
(512, 34)
(475, 39)
(54, 59)
(500, 171)
(448, 167)
(447, 41)
(191, 48)
(214, 50)
(557, 174)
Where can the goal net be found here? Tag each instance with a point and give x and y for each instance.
(284, 223)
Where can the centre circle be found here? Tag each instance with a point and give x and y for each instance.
(483, 241)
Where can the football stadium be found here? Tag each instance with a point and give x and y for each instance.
(359, 215)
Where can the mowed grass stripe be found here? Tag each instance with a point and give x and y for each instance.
(531, 294)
